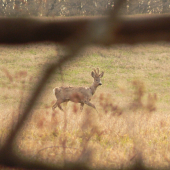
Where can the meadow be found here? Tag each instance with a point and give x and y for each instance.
(133, 119)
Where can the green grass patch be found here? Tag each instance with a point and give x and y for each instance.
(132, 103)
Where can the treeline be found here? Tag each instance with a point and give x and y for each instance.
(79, 7)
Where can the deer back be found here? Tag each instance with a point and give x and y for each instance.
(72, 93)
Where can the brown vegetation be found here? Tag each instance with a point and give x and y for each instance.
(113, 30)
(132, 122)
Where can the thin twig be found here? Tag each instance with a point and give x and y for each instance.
(56, 147)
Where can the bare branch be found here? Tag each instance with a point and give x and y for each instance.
(128, 30)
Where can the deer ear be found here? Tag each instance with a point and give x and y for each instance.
(92, 74)
(101, 75)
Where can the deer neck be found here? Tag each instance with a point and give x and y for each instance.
(93, 88)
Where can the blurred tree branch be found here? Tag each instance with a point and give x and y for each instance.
(128, 30)
(75, 34)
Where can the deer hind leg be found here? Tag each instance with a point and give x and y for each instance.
(57, 104)
(90, 104)
(81, 107)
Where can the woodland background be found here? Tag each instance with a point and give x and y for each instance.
(79, 7)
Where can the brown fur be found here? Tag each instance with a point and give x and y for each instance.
(80, 95)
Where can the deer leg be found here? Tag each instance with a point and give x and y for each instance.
(90, 104)
(57, 104)
(81, 107)
(54, 106)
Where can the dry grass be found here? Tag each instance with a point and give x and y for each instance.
(133, 103)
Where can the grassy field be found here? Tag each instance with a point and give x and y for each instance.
(133, 104)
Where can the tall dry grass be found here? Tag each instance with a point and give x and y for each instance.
(127, 128)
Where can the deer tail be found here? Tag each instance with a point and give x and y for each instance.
(56, 90)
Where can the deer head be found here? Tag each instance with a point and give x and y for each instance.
(95, 74)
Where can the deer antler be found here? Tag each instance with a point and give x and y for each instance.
(96, 71)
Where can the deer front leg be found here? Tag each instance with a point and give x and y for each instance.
(91, 105)
(57, 104)
(54, 106)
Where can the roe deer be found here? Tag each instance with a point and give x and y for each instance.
(80, 95)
